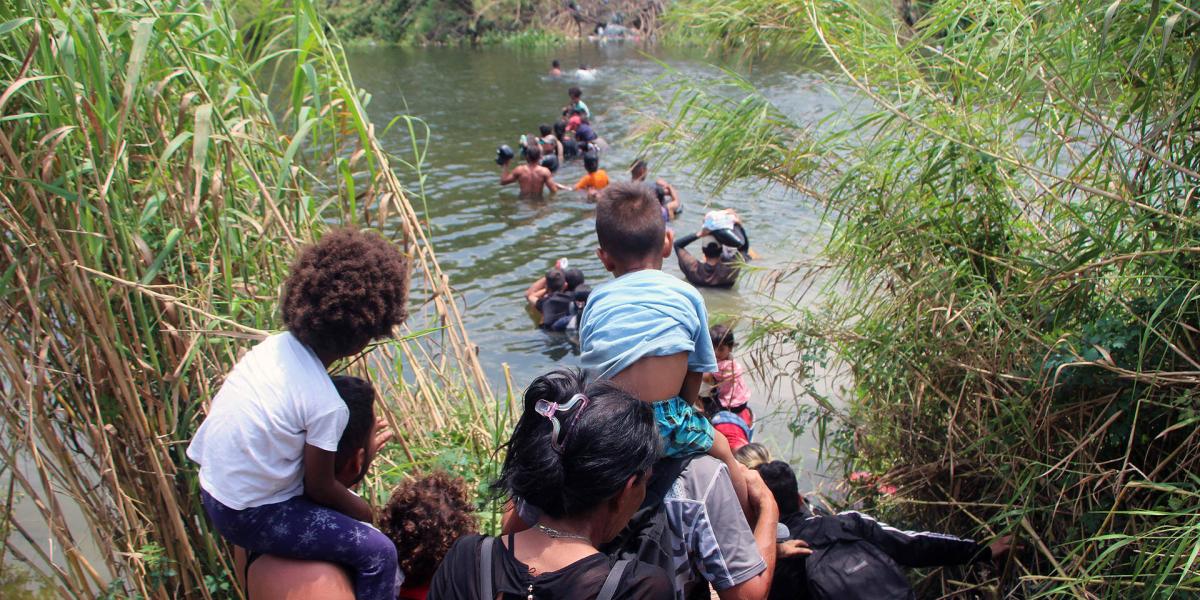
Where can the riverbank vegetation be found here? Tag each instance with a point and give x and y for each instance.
(1016, 254)
(521, 23)
(157, 174)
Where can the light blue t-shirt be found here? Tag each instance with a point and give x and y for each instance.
(644, 313)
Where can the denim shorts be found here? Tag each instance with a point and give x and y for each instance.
(684, 431)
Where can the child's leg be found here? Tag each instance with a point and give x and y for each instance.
(684, 431)
(720, 450)
(298, 528)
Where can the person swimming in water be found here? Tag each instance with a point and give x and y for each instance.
(666, 193)
(555, 68)
(531, 177)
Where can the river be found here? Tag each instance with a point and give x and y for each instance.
(493, 244)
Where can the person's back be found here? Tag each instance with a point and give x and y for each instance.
(531, 177)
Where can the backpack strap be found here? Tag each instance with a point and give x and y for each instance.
(485, 568)
(609, 590)
(666, 471)
(726, 417)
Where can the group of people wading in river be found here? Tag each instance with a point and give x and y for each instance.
(621, 481)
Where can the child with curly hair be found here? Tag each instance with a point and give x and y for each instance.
(268, 445)
(424, 517)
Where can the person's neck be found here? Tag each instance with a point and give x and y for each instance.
(326, 358)
(584, 528)
(646, 264)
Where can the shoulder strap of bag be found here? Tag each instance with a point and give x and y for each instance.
(485, 568)
(609, 589)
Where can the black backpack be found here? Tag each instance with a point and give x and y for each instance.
(843, 566)
(647, 537)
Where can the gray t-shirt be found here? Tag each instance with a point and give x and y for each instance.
(711, 539)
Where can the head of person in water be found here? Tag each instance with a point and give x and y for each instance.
(575, 93)
(753, 454)
(554, 64)
(638, 171)
(556, 281)
(630, 228)
(349, 288)
(591, 162)
(582, 293)
(564, 458)
(423, 518)
(544, 130)
(712, 251)
(533, 154)
(353, 457)
(560, 129)
(574, 278)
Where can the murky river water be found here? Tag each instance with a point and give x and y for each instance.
(493, 244)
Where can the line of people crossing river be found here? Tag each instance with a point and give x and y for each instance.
(633, 478)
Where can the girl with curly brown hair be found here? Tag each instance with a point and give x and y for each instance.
(267, 447)
(424, 517)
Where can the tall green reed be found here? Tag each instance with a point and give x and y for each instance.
(152, 198)
(1014, 252)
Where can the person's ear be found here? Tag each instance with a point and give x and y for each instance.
(352, 471)
(668, 243)
(605, 259)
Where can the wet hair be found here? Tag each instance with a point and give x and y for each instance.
(544, 130)
(574, 278)
(712, 250)
(629, 224)
(554, 63)
(753, 454)
(638, 165)
(344, 291)
(604, 443)
(721, 335)
(591, 162)
(555, 280)
(781, 480)
(532, 153)
(359, 396)
(575, 92)
(583, 292)
(560, 129)
(423, 518)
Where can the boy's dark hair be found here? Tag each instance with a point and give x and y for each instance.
(532, 153)
(555, 280)
(574, 278)
(560, 129)
(554, 63)
(721, 335)
(712, 250)
(345, 290)
(595, 461)
(575, 92)
(591, 162)
(629, 224)
(359, 396)
(583, 292)
(544, 130)
(781, 480)
(423, 518)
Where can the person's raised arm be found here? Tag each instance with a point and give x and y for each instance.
(765, 521)
(535, 291)
(508, 175)
(683, 241)
(559, 149)
(322, 487)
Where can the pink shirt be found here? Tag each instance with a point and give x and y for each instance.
(730, 385)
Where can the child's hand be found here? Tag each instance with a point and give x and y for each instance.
(792, 549)
(381, 434)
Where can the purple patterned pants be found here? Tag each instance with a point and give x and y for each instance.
(298, 528)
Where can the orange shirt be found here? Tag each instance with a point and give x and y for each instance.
(597, 180)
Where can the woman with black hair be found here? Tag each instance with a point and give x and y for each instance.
(583, 455)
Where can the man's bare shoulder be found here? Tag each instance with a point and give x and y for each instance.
(288, 579)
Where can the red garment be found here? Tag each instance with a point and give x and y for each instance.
(574, 122)
(417, 592)
(733, 433)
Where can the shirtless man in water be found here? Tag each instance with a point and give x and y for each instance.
(531, 176)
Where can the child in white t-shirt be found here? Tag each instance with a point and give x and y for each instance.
(266, 448)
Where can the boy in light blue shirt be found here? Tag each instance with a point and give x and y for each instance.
(648, 331)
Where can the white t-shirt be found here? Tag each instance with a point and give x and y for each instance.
(251, 446)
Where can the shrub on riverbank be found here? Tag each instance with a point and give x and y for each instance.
(1017, 256)
(157, 172)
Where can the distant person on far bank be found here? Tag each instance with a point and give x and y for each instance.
(555, 68)
(720, 267)
(531, 177)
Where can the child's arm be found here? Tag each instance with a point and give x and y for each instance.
(322, 487)
(721, 450)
